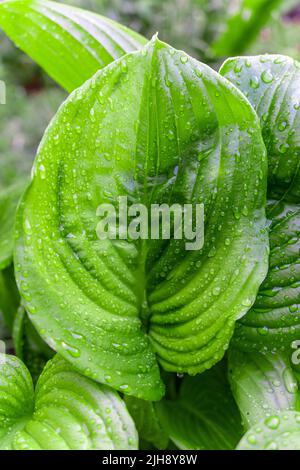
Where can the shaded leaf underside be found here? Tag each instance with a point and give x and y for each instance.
(204, 416)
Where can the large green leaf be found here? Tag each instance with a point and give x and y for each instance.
(271, 83)
(9, 198)
(158, 127)
(66, 410)
(277, 432)
(262, 385)
(69, 43)
(204, 415)
(244, 23)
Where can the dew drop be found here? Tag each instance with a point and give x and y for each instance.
(254, 82)
(267, 77)
(272, 422)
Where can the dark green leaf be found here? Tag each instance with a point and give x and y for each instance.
(204, 415)
(147, 422)
(9, 296)
(70, 44)
(274, 320)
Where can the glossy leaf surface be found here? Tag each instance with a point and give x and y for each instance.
(271, 83)
(115, 307)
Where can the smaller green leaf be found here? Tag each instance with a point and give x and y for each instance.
(9, 199)
(70, 44)
(262, 384)
(277, 432)
(66, 411)
(147, 422)
(243, 25)
(204, 416)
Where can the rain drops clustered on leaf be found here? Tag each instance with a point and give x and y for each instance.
(130, 343)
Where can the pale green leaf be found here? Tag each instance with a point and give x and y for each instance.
(69, 43)
(277, 432)
(262, 384)
(65, 412)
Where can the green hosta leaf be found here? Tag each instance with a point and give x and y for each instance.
(274, 320)
(272, 85)
(9, 198)
(277, 432)
(66, 410)
(262, 384)
(243, 25)
(70, 44)
(147, 422)
(204, 415)
(115, 307)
